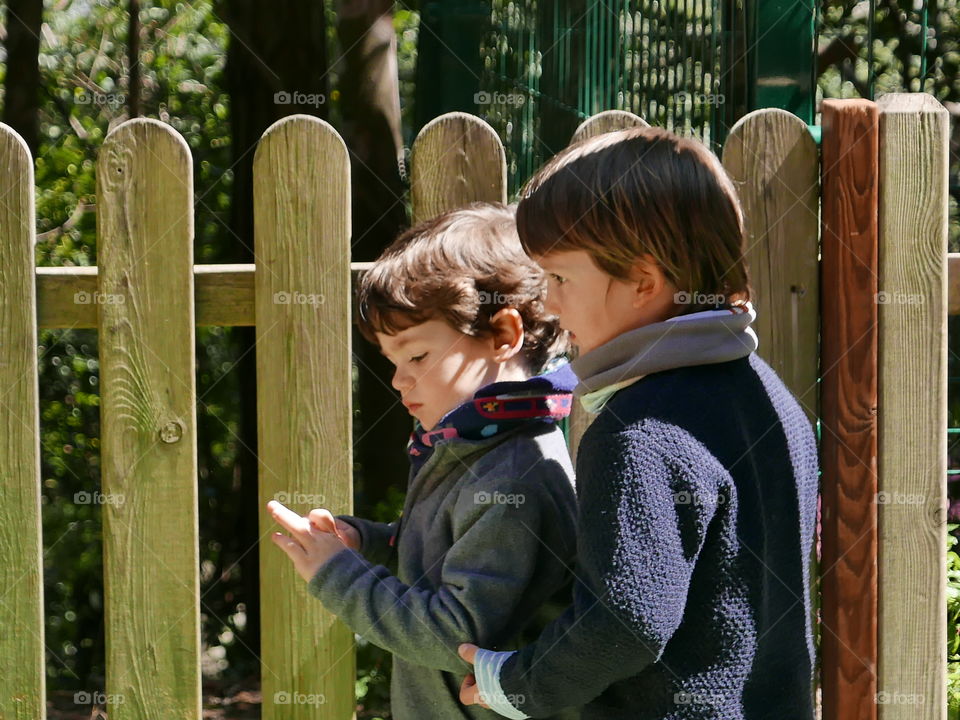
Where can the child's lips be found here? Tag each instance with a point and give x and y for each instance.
(413, 407)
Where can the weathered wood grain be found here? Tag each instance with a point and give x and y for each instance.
(456, 159)
(772, 160)
(912, 463)
(148, 412)
(22, 671)
(301, 201)
(848, 386)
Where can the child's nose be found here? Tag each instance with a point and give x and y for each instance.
(550, 304)
(402, 381)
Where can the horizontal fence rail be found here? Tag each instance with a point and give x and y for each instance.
(223, 294)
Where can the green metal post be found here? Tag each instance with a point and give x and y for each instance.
(448, 57)
(783, 59)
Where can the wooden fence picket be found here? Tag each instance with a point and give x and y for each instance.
(21, 567)
(148, 412)
(301, 202)
(772, 159)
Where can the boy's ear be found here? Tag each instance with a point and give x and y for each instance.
(648, 278)
(507, 328)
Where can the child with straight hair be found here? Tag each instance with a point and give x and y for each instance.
(697, 480)
(486, 536)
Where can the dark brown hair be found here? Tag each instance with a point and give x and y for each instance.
(462, 266)
(623, 194)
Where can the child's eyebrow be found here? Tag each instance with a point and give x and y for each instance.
(554, 265)
(400, 345)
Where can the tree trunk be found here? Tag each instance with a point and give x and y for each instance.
(370, 105)
(133, 59)
(22, 85)
(277, 55)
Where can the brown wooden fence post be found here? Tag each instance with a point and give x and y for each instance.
(849, 334)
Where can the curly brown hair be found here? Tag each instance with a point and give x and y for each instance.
(462, 266)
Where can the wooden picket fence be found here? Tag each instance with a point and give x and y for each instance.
(877, 296)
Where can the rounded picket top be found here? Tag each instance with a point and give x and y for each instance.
(457, 158)
(165, 142)
(321, 137)
(17, 221)
(607, 121)
(17, 211)
(144, 209)
(772, 159)
(770, 121)
(22, 676)
(145, 172)
(14, 152)
(301, 193)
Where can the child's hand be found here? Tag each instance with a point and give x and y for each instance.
(309, 547)
(325, 521)
(469, 690)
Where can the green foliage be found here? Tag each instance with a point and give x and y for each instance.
(70, 466)
(373, 681)
(953, 624)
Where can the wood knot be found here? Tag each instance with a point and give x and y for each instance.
(171, 432)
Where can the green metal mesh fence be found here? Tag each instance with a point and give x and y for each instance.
(547, 65)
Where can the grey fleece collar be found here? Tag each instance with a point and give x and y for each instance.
(701, 338)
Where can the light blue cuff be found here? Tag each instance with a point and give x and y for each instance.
(486, 668)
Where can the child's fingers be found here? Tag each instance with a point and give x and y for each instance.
(291, 547)
(288, 518)
(468, 652)
(469, 693)
(348, 534)
(296, 553)
(323, 520)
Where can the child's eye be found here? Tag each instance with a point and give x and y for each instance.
(557, 279)
(418, 358)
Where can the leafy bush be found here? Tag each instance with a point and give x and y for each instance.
(953, 625)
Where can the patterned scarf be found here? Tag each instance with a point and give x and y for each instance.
(498, 408)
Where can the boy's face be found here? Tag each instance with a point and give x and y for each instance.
(438, 367)
(597, 307)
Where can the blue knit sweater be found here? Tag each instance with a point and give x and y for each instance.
(697, 490)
